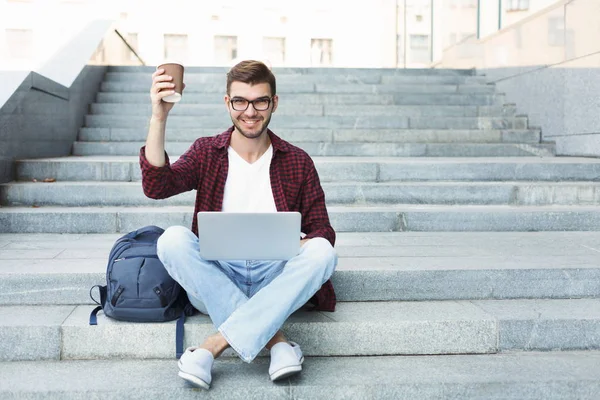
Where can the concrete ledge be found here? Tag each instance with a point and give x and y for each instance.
(325, 149)
(31, 333)
(344, 169)
(350, 75)
(374, 266)
(285, 109)
(433, 136)
(586, 145)
(128, 194)
(546, 324)
(550, 376)
(361, 328)
(404, 328)
(61, 268)
(329, 98)
(283, 122)
(397, 218)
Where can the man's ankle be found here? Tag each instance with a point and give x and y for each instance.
(278, 338)
(216, 344)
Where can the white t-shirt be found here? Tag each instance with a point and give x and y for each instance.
(248, 186)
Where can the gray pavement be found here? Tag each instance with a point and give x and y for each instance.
(548, 376)
(375, 266)
(355, 328)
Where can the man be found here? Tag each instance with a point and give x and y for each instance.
(247, 168)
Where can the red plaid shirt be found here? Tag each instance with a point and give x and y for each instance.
(294, 182)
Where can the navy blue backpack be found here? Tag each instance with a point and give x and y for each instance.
(138, 287)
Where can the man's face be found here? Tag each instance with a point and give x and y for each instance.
(251, 123)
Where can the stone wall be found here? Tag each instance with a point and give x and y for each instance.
(42, 117)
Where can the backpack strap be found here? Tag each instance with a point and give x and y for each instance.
(179, 336)
(93, 315)
(92, 297)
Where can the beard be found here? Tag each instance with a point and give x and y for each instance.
(252, 133)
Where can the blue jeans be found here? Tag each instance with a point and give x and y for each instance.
(247, 301)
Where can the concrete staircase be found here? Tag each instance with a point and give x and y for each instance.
(469, 254)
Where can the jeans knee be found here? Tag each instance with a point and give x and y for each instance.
(174, 239)
(320, 249)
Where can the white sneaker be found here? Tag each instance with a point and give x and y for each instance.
(286, 360)
(195, 367)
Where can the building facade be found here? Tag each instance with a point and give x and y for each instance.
(312, 33)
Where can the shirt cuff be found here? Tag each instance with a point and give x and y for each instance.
(147, 167)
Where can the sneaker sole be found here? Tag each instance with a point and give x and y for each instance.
(287, 371)
(194, 380)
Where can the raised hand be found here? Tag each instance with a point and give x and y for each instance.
(162, 86)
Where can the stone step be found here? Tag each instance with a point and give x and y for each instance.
(343, 169)
(514, 376)
(403, 328)
(320, 149)
(326, 99)
(392, 218)
(57, 269)
(283, 122)
(291, 109)
(432, 136)
(298, 86)
(315, 71)
(286, 78)
(129, 194)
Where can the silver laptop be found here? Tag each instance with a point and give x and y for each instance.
(249, 236)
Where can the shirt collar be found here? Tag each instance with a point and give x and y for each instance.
(222, 141)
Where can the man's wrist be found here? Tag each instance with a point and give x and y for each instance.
(157, 120)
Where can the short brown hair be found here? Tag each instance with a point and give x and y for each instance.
(251, 72)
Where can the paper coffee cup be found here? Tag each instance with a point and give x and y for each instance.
(174, 69)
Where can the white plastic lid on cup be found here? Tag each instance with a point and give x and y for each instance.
(173, 98)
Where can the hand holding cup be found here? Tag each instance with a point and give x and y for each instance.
(167, 87)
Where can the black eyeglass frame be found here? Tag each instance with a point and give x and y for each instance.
(269, 100)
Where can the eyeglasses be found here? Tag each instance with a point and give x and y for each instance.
(241, 104)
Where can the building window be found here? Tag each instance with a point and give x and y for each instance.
(321, 52)
(19, 43)
(274, 50)
(517, 5)
(556, 31)
(225, 49)
(176, 47)
(419, 48)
